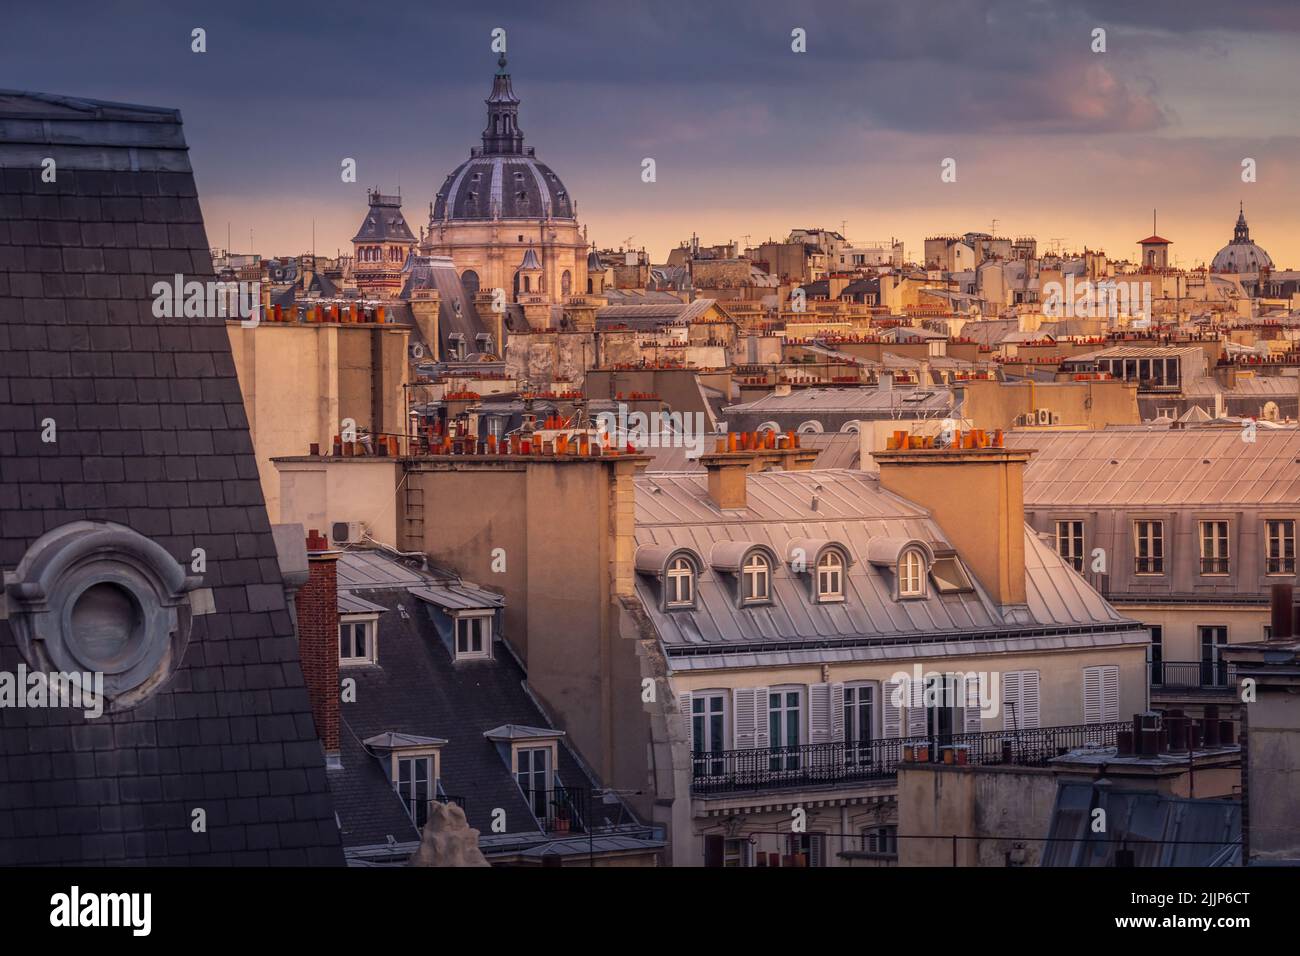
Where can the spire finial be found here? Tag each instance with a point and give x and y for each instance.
(501, 63)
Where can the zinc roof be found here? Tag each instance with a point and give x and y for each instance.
(1168, 467)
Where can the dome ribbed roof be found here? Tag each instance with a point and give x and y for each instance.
(502, 179)
(502, 187)
(1241, 254)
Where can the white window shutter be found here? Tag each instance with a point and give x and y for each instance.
(819, 713)
(745, 701)
(684, 702)
(1110, 693)
(1092, 695)
(1029, 707)
(915, 700)
(892, 724)
(837, 713)
(972, 719)
(1013, 708)
(761, 704)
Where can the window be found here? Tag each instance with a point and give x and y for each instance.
(533, 773)
(357, 641)
(1069, 543)
(681, 583)
(708, 731)
(756, 578)
(784, 707)
(415, 786)
(880, 841)
(1214, 547)
(1213, 670)
(911, 574)
(1157, 654)
(1149, 547)
(473, 636)
(1020, 700)
(736, 853)
(859, 720)
(806, 849)
(830, 577)
(1101, 694)
(1279, 546)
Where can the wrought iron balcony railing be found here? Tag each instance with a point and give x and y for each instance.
(818, 765)
(1193, 675)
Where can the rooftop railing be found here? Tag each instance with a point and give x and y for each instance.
(821, 765)
(1193, 675)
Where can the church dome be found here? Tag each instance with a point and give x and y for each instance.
(1241, 254)
(502, 179)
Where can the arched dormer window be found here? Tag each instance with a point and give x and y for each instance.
(679, 583)
(911, 574)
(756, 578)
(830, 576)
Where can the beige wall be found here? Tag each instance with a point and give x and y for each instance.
(993, 405)
(493, 250)
(299, 382)
(564, 530)
(317, 492)
(1180, 622)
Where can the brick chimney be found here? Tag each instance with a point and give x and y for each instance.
(976, 494)
(317, 604)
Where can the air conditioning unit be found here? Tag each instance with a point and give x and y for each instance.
(1044, 416)
(347, 532)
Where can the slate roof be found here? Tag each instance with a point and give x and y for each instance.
(417, 689)
(384, 221)
(852, 510)
(152, 435)
(456, 311)
(502, 187)
(1163, 830)
(1161, 467)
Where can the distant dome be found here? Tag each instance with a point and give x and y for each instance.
(502, 179)
(502, 187)
(1241, 254)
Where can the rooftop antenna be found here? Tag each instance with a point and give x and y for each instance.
(993, 228)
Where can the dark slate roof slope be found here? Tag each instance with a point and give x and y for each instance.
(418, 689)
(151, 435)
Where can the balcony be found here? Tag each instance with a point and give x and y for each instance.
(1181, 676)
(562, 810)
(823, 765)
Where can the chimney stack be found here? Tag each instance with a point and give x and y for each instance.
(317, 604)
(976, 494)
(739, 453)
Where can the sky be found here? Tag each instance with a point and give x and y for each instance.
(750, 139)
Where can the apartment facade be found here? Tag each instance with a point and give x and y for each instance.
(1184, 529)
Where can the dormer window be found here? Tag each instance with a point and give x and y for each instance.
(357, 639)
(415, 786)
(413, 767)
(830, 577)
(679, 581)
(756, 578)
(474, 636)
(911, 574)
